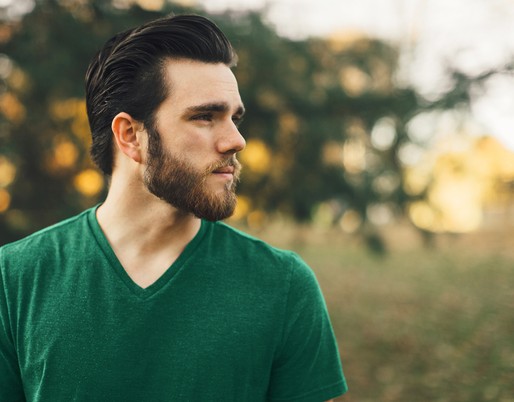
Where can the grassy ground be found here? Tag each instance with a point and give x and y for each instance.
(418, 324)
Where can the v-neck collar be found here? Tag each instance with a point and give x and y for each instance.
(172, 270)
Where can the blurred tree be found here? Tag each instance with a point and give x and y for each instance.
(44, 58)
(326, 122)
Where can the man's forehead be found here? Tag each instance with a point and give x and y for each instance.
(198, 83)
(185, 72)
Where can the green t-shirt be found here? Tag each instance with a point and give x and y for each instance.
(232, 319)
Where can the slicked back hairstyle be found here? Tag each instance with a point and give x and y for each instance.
(127, 74)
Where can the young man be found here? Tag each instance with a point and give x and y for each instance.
(148, 297)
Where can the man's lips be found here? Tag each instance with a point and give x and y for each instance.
(225, 169)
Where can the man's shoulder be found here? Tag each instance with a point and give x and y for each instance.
(225, 234)
(49, 237)
(236, 244)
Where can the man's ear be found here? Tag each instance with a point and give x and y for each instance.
(125, 130)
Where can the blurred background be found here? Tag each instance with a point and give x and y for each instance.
(380, 146)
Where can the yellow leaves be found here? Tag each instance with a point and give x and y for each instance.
(18, 80)
(65, 154)
(6, 32)
(242, 208)
(156, 5)
(7, 175)
(62, 156)
(416, 181)
(73, 109)
(351, 221)
(7, 172)
(459, 186)
(345, 40)
(455, 209)
(10, 105)
(354, 155)
(333, 153)
(5, 200)
(12, 108)
(253, 217)
(494, 159)
(256, 156)
(89, 182)
(152, 5)
(353, 80)
(64, 109)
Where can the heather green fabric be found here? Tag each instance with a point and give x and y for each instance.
(232, 319)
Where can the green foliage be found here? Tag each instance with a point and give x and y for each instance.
(301, 81)
(312, 103)
(51, 48)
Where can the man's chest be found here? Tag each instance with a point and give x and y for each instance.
(175, 341)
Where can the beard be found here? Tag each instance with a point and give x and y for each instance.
(175, 180)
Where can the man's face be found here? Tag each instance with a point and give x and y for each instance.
(191, 161)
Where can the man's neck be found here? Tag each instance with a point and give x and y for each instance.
(146, 234)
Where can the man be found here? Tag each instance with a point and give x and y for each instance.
(148, 297)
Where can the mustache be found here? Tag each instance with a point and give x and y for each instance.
(232, 162)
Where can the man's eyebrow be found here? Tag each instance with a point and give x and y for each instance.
(219, 107)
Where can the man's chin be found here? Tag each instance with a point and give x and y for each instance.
(217, 210)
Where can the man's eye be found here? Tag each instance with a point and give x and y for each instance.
(202, 117)
(237, 120)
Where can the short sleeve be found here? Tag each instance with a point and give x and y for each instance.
(307, 366)
(10, 380)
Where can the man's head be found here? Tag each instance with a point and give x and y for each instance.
(163, 99)
(127, 75)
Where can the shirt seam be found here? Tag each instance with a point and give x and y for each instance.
(313, 392)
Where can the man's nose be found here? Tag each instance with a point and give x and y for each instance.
(230, 140)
